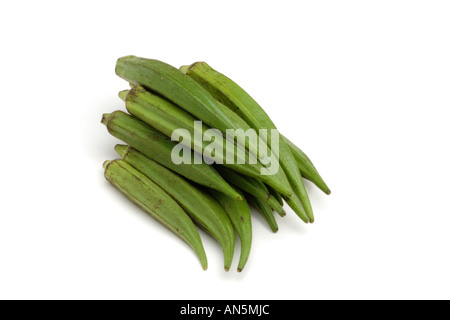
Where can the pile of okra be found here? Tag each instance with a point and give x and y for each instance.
(199, 152)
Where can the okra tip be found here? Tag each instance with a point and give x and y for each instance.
(122, 149)
(123, 94)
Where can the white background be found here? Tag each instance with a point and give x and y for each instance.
(361, 86)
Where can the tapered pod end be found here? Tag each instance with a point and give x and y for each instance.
(123, 94)
(203, 259)
(122, 149)
(320, 183)
(243, 261)
(296, 206)
(274, 204)
(105, 118)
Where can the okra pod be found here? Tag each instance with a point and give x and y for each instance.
(230, 94)
(158, 147)
(182, 90)
(239, 214)
(307, 168)
(153, 200)
(263, 208)
(252, 186)
(197, 204)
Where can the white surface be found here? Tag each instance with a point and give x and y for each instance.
(361, 86)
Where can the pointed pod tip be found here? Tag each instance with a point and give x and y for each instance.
(123, 94)
(204, 262)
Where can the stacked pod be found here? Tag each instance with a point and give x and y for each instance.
(208, 189)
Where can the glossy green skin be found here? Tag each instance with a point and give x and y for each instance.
(263, 208)
(307, 168)
(238, 100)
(164, 116)
(158, 147)
(252, 186)
(239, 214)
(175, 86)
(153, 200)
(297, 207)
(202, 208)
(275, 194)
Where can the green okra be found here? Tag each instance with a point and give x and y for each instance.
(153, 200)
(252, 186)
(297, 207)
(239, 214)
(159, 148)
(307, 168)
(166, 117)
(275, 194)
(182, 90)
(201, 207)
(263, 208)
(239, 101)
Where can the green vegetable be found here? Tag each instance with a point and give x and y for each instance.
(202, 208)
(239, 214)
(175, 86)
(275, 194)
(166, 117)
(226, 157)
(153, 200)
(158, 147)
(263, 208)
(252, 186)
(238, 100)
(307, 168)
